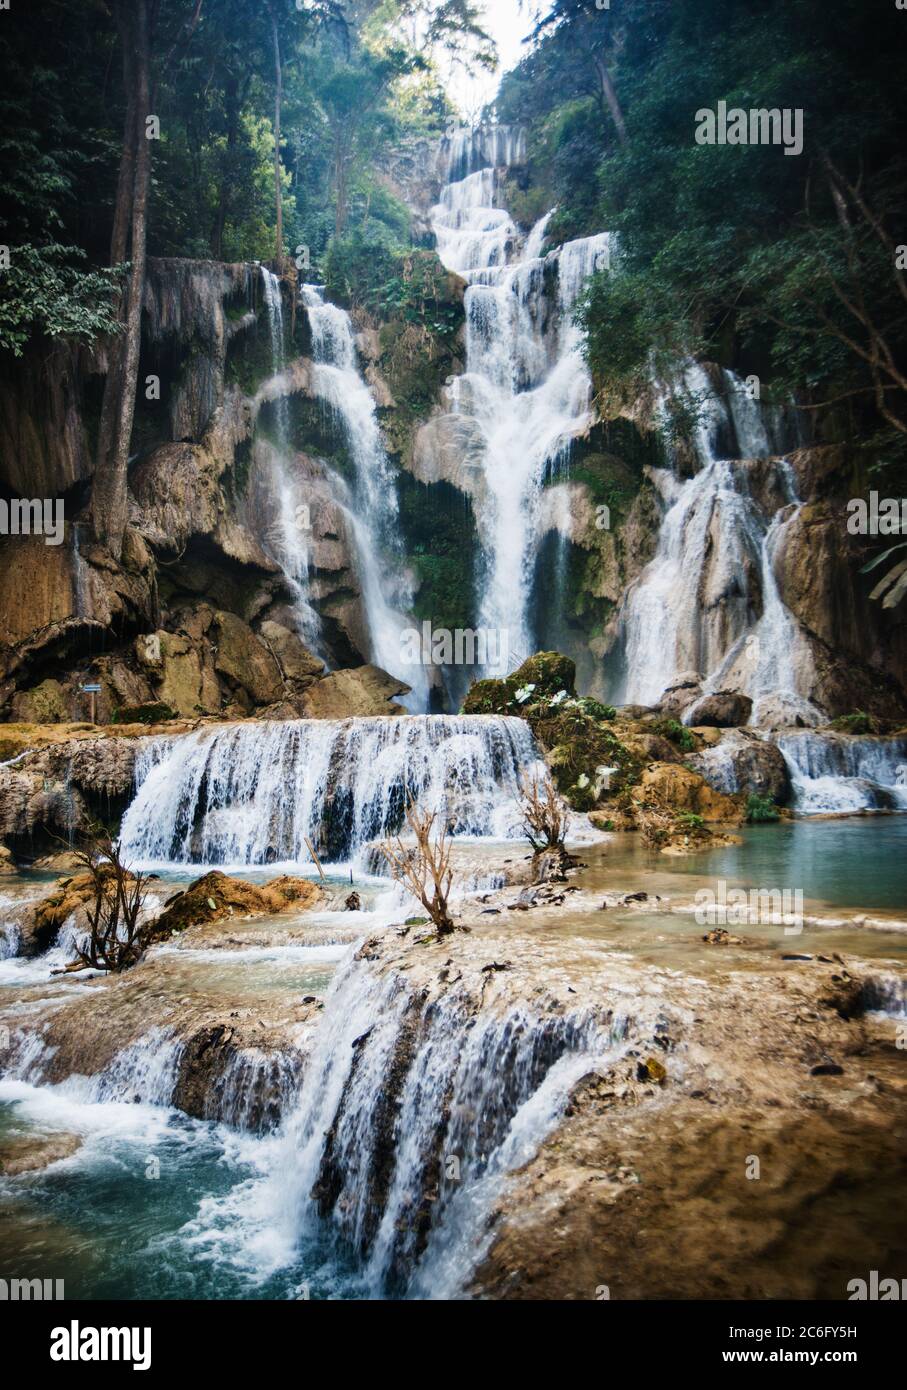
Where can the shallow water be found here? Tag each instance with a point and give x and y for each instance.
(215, 1221)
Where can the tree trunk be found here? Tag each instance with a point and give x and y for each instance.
(610, 96)
(119, 245)
(109, 499)
(278, 95)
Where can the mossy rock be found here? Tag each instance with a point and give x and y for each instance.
(155, 713)
(548, 672)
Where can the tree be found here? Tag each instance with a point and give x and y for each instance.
(424, 870)
(109, 490)
(117, 938)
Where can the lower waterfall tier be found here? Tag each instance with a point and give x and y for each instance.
(253, 793)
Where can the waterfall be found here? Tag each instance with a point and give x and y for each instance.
(370, 504)
(413, 1118)
(288, 537)
(841, 773)
(251, 793)
(526, 385)
(709, 602)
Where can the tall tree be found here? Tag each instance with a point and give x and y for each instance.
(109, 498)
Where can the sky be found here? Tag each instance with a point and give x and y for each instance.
(508, 22)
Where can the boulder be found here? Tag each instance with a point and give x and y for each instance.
(683, 691)
(676, 788)
(365, 690)
(216, 896)
(245, 660)
(723, 709)
(296, 661)
(743, 762)
(547, 672)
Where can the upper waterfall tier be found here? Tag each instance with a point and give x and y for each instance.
(252, 793)
(526, 389)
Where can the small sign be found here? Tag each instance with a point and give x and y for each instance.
(92, 689)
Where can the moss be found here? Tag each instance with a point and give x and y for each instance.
(548, 672)
(760, 809)
(856, 723)
(156, 713)
(676, 733)
(441, 544)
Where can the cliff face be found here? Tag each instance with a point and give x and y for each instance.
(199, 613)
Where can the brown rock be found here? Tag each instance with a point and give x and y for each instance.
(366, 690)
(677, 788)
(245, 660)
(296, 661)
(216, 896)
(724, 709)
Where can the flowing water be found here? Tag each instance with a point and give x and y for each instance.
(369, 505)
(252, 793)
(526, 387)
(709, 601)
(288, 537)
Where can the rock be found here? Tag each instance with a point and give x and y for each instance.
(547, 672)
(296, 661)
(827, 1069)
(66, 861)
(683, 691)
(719, 936)
(365, 690)
(352, 903)
(182, 682)
(742, 762)
(27, 1153)
(154, 713)
(47, 703)
(245, 660)
(7, 862)
(217, 896)
(677, 788)
(724, 709)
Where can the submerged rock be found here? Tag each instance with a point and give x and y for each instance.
(27, 1153)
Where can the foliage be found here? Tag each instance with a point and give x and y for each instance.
(46, 291)
(781, 266)
(760, 809)
(675, 732)
(856, 723)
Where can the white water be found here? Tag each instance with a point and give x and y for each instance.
(833, 773)
(526, 385)
(709, 602)
(287, 538)
(251, 793)
(462, 1106)
(370, 503)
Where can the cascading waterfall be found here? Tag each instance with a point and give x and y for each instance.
(709, 601)
(414, 1118)
(526, 384)
(370, 505)
(832, 773)
(288, 537)
(251, 793)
